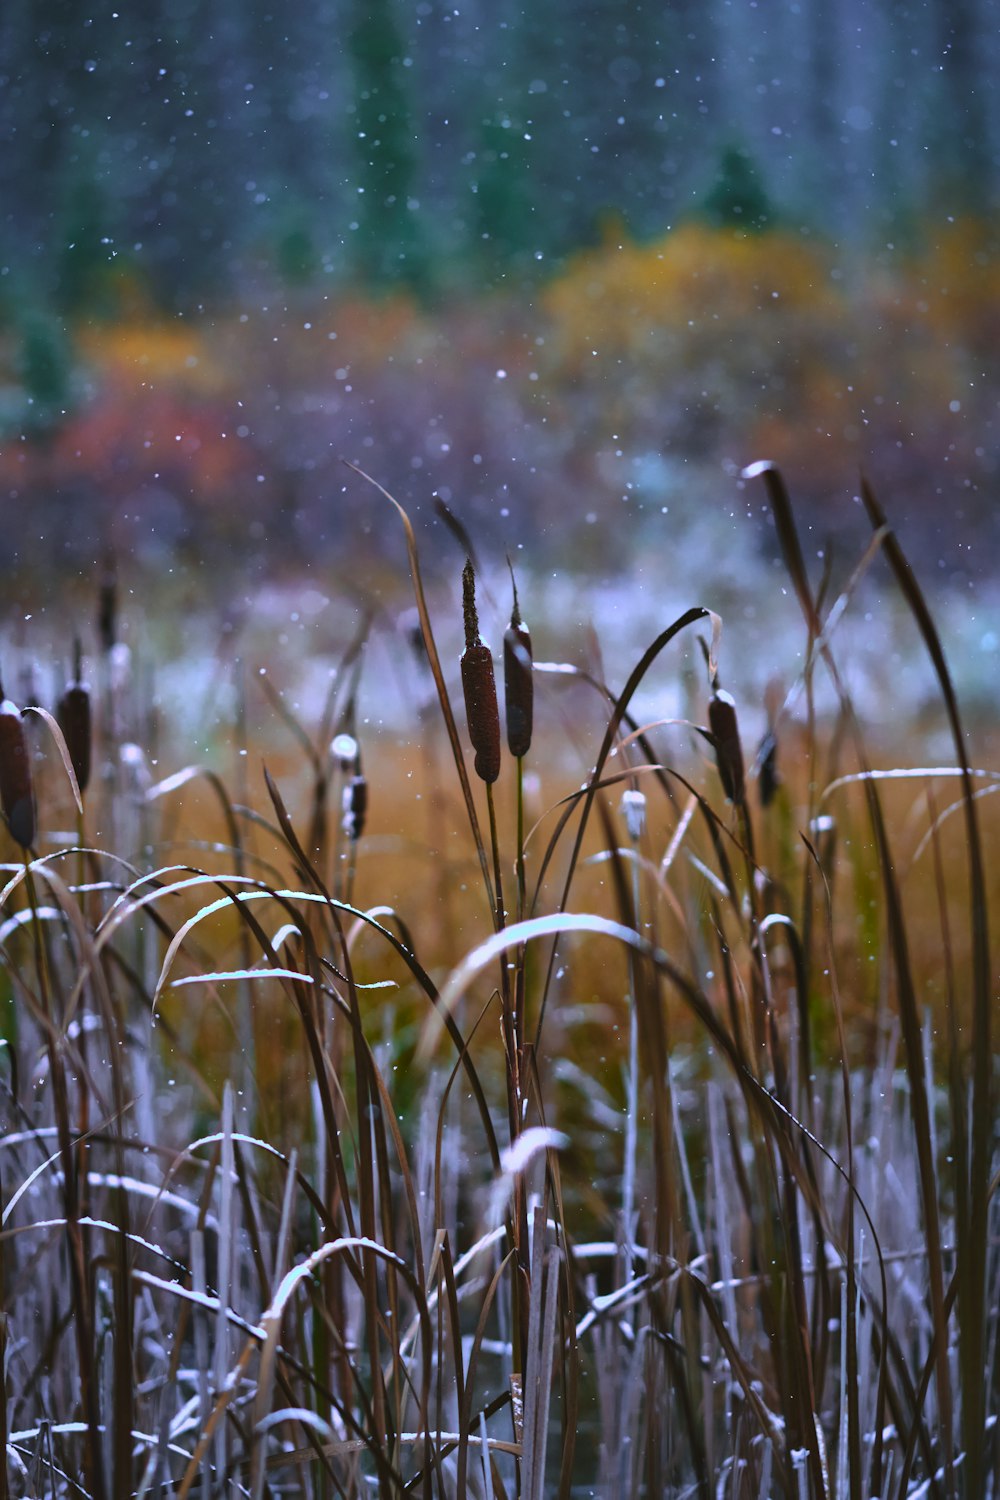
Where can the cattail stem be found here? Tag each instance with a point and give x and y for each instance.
(522, 901)
(511, 1041)
(521, 882)
(500, 920)
(635, 817)
(501, 913)
(93, 1456)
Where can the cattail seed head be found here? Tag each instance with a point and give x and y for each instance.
(769, 778)
(519, 692)
(481, 711)
(17, 792)
(107, 604)
(355, 807)
(73, 715)
(479, 687)
(728, 754)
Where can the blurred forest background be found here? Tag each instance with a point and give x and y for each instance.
(566, 266)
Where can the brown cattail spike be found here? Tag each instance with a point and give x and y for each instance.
(354, 797)
(728, 754)
(769, 778)
(107, 604)
(355, 806)
(17, 793)
(519, 693)
(73, 714)
(479, 687)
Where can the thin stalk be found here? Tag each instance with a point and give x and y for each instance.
(632, 1112)
(500, 922)
(94, 1462)
(521, 892)
(520, 1295)
(519, 960)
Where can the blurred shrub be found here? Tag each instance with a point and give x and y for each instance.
(633, 385)
(955, 285)
(697, 287)
(716, 342)
(147, 350)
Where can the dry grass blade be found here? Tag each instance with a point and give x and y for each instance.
(973, 1175)
(281, 1276)
(286, 716)
(518, 680)
(788, 537)
(636, 676)
(458, 531)
(434, 662)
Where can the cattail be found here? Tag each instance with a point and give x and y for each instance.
(769, 778)
(519, 691)
(107, 604)
(767, 752)
(354, 797)
(408, 625)
(73, 714)
(17, 793)
(355, 805)
(728, 755)
(479, 687)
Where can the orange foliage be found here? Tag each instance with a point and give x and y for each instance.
(131, 435)
(151, 353)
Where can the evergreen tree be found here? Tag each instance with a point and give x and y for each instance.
(737, 198)
(83, 260)
(504, 211)
(44, 364)
(388, 239)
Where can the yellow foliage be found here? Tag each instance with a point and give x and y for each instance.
(620, 297)
(956, 283)
(140, 351)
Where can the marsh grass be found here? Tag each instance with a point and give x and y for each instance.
(325, 1174)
